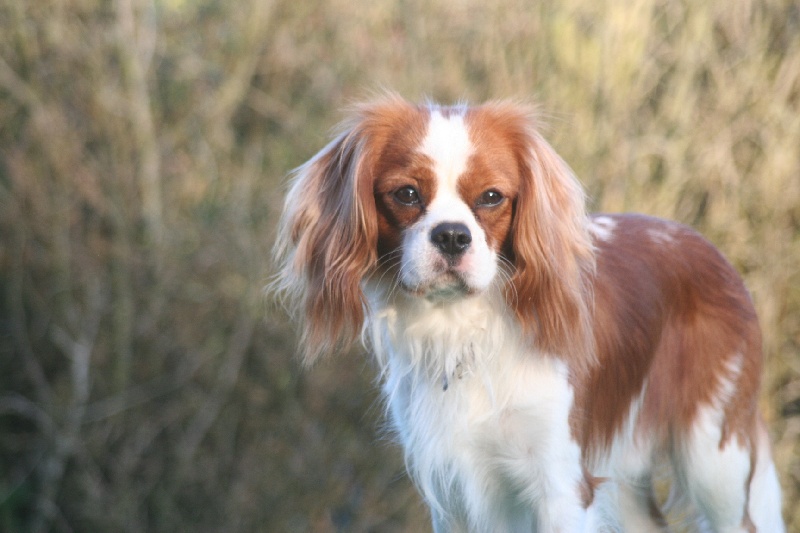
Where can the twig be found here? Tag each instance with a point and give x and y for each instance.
(232, 93)
(141, 117)
(22, 406)
(229, 373)
(78, 351)
(18, 89)
(139, 395)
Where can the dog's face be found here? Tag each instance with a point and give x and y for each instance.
(445, 205)
(436, 203)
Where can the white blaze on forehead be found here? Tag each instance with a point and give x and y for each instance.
(447, 144)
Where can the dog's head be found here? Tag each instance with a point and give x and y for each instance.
(442, 204)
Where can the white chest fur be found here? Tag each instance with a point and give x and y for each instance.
(484, 422)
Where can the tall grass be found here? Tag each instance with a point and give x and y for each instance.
(144, 383)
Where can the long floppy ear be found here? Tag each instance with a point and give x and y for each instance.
(327, 242)
(552, 253)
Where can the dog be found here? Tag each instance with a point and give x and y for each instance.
(538, 363)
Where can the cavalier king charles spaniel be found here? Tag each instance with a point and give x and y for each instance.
(539, 365)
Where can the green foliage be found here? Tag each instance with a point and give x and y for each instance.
(144, 383)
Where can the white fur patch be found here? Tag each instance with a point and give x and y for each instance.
(765, 490)
(602, 227)
(447, 144)
(726, 388)
(660, 235)
(715, 478)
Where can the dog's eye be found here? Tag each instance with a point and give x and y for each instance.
(407, 196)
(490, 198)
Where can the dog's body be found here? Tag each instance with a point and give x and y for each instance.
(537, 363)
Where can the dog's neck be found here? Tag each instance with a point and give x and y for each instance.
(445, 340)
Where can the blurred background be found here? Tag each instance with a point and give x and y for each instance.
(146, 382)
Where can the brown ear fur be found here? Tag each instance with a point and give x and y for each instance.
(552, 251)
(327, 240)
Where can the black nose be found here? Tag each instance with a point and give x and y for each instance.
(451, 238)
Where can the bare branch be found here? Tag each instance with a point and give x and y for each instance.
(141, 116)
(21, 91)
(229, 373)
(19, 405)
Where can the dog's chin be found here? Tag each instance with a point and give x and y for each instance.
(448, 287)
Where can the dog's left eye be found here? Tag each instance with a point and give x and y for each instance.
(490, 198)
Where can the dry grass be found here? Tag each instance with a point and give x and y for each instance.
(142, 149)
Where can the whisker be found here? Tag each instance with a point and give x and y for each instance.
(392, 265)
(506, 275)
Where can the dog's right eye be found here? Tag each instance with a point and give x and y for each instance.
(407, 196)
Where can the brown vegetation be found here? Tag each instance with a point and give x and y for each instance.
(144, 383)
